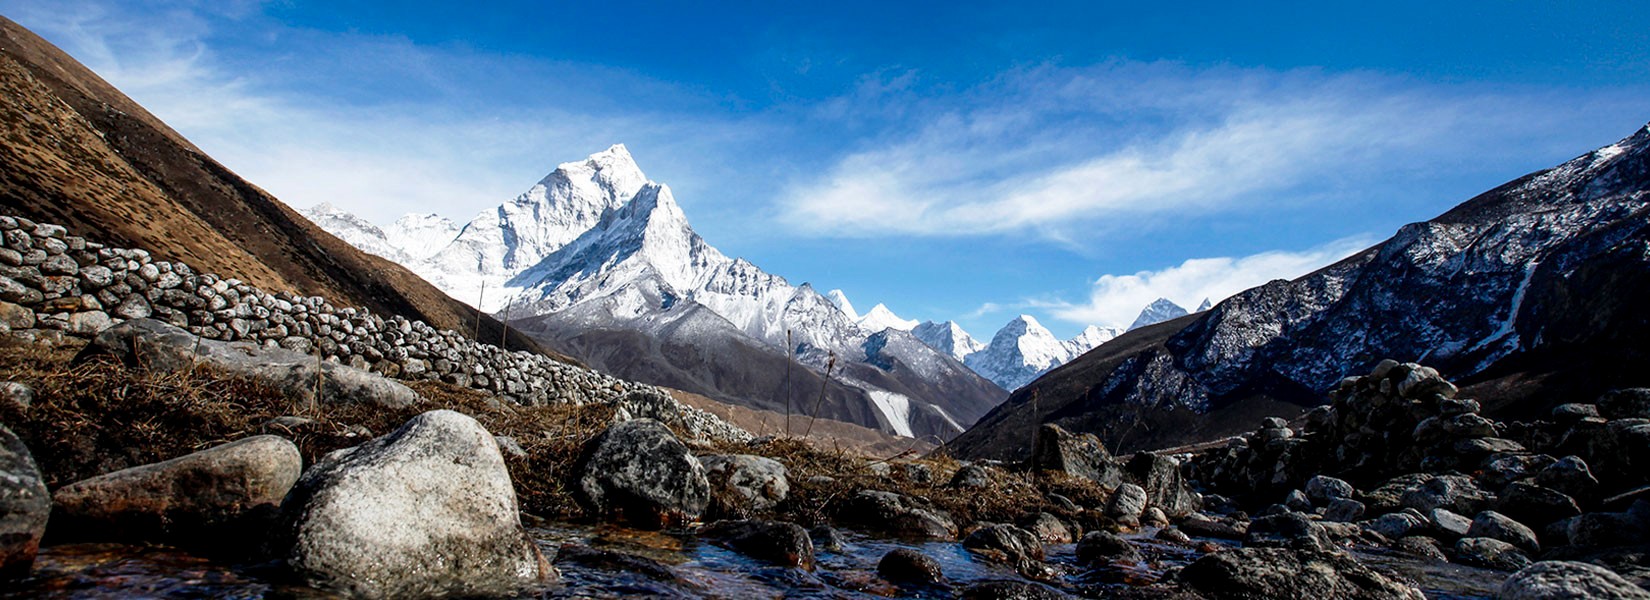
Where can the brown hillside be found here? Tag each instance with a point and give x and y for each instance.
(79, 153)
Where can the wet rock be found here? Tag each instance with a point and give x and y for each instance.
(1154, 516)
(1075, 455)
(1127, 502)
(1288, 530)
(1246, 573)
(1165, 487)
(1490, 554)
(154, 345)
(898, 515)
(1535, 505)
(1448, 524)
(1344, 510)
(214, 499)
(1011, 590)
(24, 507)
(1421, 546)
(826, 538)
(425, 511)
(1203, 526)
(1173, 535)
(1005, 544)
(620, 562)
(741, 484)
(638, 472)
(778, 542)
(1458, 493)
(1396, 525)
(1558, 580)
(1570, 476)
(1321, 490)
(1048, 528)
(904, 565)
(1103, 547)
(1633, 403)
(1494, 525)
(972, 477)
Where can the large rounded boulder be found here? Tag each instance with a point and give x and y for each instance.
(638, 472)
(1284, 573)
(1555, 580)
(742, 484)
(426, 511)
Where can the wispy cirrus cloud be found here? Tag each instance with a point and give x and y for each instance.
(1053, 150)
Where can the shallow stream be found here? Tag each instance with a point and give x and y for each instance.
(622, 563)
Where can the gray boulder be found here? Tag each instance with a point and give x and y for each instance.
(1160, 476)
(1571, 476)
(154, 345)
(1101, 547)
(1536, 505)
(426, 511)
(1048, 528)
(1562, 580)
(638, 472)
(894, 514)
(1458, 493)
(24, 507)
(741, 484)
(1494, 525)
(971, 477)
(213, 499)
(1396, 525)
(1075, 455)
(1005, 544)
(1248, 573)
(1127, 503)
(1343, 510)
(777, 542)
(1321, 489)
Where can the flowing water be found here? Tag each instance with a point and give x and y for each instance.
(611, 562)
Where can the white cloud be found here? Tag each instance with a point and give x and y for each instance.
(1116, 300)
(1053, 151)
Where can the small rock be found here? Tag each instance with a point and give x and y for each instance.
(1569, 475)
(1127, 502)
(1288, 530)
(1421, 546)
(1536, 505)
(1011, 590)
(904, 565)
(638, 472)
(1320, 489)
(16, 397)
(1572, 412)
(1102, 547)
(14, 316)
(1296, 501)
(1490, 554)
(1562, 580)
(898, 515)
(1494, 525)
(1154, 516)
(1171, 534)
(1395, 525)
(1450, 525)
(510, 447)
(1004, 544)
(971, 477)
(741, 484)
(1344, 510)
(778, 542)
(1048, 528)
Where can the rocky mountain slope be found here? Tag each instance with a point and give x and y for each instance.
(602, 263)
(1521, 292)
(80, 153)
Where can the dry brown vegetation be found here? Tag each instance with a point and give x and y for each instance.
(96, 417)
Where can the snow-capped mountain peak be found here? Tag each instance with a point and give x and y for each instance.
(841, 301)
(421, 235)
(947, 337)
(1090, 338)
(1018, 353)
(355, 230)
(880, 318)
(1158, 311)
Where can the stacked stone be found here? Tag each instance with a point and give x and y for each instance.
(53, 283)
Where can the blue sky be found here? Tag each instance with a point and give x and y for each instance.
(955, 160)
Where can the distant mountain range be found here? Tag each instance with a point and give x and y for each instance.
(1529, 294)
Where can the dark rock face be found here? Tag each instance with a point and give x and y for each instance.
(24, 507)
(781, 543)
(1625, 404)
(426, 511)
(898, 515)
(638, 472)
(152, 344)
(1561, 580)
(1248, 573)
(904, 565)
(1165, 487)
(1011, 590)
(1077, 455)
(212, 499)
(1528, 277)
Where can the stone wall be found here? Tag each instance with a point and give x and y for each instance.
(53, 283)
